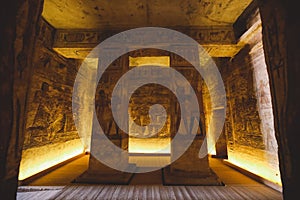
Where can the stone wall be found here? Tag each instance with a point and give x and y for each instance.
(50, 128)
(216, 148)
(18, 34)
(249, 125)
(280, 21)
(146, 96)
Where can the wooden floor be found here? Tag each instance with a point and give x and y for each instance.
(57, 185)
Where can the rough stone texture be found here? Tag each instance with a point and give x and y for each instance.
(104, 92)
(249, 124)
(280, 22)
(83, 109)
(143, 97)
(189, 169)
(49, 116)
(280, 37)
(38, 159)
(78, 14)
(49, 119)
(98, 172)
(218, 41)
(140, 101)
(18, 24)
(216, 148)
(242, 103)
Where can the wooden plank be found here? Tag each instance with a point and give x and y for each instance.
(171, 192)
(103, 192)
(66, 192)
(191, 191)
(154, 192)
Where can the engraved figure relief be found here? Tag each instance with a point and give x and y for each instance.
(103, 109)
(49, 120)
(264, 95)
(244, 111)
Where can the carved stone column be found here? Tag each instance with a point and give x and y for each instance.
(97, 171)
(189, 169)
(280, 23)
(18, 35)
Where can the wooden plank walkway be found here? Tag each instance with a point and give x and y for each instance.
(155, 192)
(57, 185)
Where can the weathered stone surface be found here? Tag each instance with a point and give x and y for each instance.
(250, 123)
(281, 46)
(280, 26)
(217, 41)
(18, 26)
(77, 14)
(99, 173)
(145, 96)
(189, 169)
(49, 116)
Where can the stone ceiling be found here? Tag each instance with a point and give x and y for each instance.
(97, 14)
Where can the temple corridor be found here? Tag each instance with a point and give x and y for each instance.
(149, 99)
(58, 184)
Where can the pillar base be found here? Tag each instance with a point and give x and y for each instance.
(98, 173)
(190, 178)
(118, 178)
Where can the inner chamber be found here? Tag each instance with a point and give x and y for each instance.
(148, 146)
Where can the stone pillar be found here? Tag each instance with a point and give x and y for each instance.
(189, 169)
(98, 172)
(221, 143)
(280, 26)
(82, 101)
(18, 35)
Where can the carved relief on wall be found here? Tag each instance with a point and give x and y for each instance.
(264, 103)
(103, 109)
(275, 50)
(140, 103)
(243, 110)
(103, 97)
(50, 119)
(45, 34)
(195, 80)
(178, 61)
(146, 96)
(216, 35)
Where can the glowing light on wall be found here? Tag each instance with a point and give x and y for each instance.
(149, 145)
(257, 166)
(260, 161)
(211, 143)
(163, 61)
(38, 159)
(150, 160)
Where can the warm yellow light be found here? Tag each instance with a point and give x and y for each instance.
(163, 61)
(259, 166)
(211, 143)
(150, 160)
(38, 159)
(149, 145)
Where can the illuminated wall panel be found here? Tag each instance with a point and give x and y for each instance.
(250, 124)
(50, 133)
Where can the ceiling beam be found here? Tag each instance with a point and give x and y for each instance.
(217, 41)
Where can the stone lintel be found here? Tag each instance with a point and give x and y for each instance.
(217, 41)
